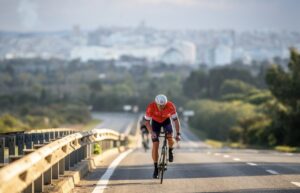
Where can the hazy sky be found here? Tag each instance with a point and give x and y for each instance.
(42, 15)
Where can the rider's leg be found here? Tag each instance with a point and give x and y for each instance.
(169, 131)
(170, 140)
(155, 146)
(155, 151)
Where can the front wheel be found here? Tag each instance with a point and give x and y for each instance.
(162, 166)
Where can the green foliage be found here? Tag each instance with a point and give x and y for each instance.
(97, 149)
(218, 82)
(217, 118)
(259, 98)
(195, 86)
(231, 86)
(285, 86)
(9, 123)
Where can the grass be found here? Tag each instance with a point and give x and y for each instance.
(97, 149)
(221, 144)
(91, 124)
(287, 149)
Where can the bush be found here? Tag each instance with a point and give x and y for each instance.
(217, 118)
(9, 123)
(97, 149)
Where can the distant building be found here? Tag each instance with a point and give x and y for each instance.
(173, 56)
(222, 55)
(180, 53)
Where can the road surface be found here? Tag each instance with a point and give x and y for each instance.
(116, 121)
(198, 168)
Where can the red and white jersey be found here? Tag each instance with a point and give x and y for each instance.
(160, 116)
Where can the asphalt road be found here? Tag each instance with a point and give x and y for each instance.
(116, 121)
(198, 168)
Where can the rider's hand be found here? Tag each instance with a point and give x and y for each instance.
(153, 135)
(178, 137)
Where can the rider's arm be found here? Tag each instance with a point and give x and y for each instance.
(147, 118)
(177, 126)
(175, 118)
(147, 124)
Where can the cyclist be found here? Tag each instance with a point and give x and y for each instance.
(159, 113)
(145, 134)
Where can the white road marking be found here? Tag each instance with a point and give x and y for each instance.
(236, 159)
(102, 183)
(209, 153)
(226, 156)
(272, 172)
(296, 183)
(128, 128)
(251, 164)
(289, 154)
(189, 141)
(216, 154)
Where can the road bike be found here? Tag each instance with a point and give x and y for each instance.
(163, 160)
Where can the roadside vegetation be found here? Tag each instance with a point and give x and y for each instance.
(255, 105)
(246, 111)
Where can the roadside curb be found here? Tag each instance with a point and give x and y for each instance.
(71, 178)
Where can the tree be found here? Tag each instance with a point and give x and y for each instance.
(195, 85)
(285, 86)
(236, 87)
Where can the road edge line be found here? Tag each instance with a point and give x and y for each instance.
(103, 181)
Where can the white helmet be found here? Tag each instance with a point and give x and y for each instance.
(161, 99)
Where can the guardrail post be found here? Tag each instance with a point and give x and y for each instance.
(2, 148)
(35, 139)
(89, 149)
(62, 166)
(39, 184)
(47, 136)
(67, 162)
(52, 135)
(41, 138)
(56, 134)
(11, 145)
(20, 143)
(29, 189)
(48, 176)
(80, 154)
(72, 159)
(76, 156)
(28, 141)
(126, 141)
(55, 171)
(85, 151)
(112, 144)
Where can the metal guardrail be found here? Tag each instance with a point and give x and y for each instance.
(16, 142)
(38, 168)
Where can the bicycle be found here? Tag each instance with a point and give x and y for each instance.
(163, 161)
(145, 144)
(145, 140)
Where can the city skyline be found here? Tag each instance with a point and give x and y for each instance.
(55, 15)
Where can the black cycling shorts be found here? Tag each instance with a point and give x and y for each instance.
(156, 127)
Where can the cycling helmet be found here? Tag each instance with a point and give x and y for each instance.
(161, 99)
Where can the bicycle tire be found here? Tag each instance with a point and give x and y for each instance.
(163, 165)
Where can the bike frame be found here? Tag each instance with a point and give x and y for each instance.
(163, 161)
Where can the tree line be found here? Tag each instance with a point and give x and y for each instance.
(236, 105)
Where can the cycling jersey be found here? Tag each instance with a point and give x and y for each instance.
(160, 116)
